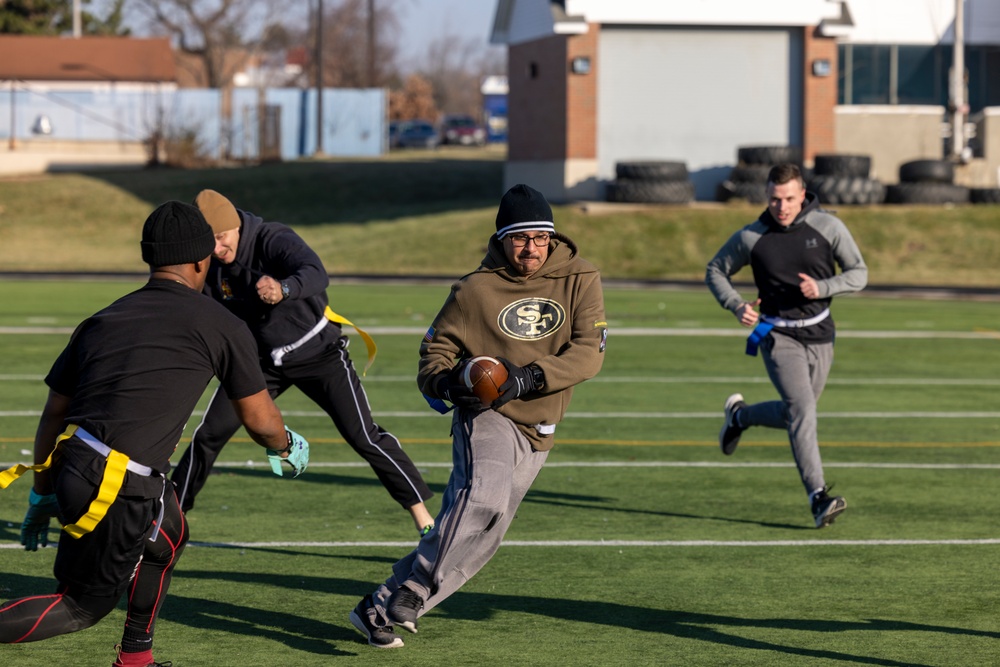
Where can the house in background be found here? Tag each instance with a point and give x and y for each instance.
(69, 103)
(594, 82)
(65, 80)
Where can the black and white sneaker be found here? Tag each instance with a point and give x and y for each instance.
(826, 508)
(403, 607)
(365, 618)
(730, 434)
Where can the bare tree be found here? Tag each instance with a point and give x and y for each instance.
(221, 34)
(359, 44)
(455, 68)
(414, 100)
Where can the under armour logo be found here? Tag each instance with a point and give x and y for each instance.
(812, 244)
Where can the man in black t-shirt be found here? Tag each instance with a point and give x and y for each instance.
(119, 396)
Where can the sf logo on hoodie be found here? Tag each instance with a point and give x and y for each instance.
(531, 319)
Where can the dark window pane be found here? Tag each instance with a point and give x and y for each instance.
(991, 75)
(919, 80)
(870, 74)
(841, 71)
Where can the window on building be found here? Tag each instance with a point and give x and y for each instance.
(918, 79)
(910, 74)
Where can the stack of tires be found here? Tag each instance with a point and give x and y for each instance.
(651, 182)
(748, 179)
(844, 179)
(984, 195)
(927, 182)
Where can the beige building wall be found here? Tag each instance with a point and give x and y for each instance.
(986, 166)
(891, 135)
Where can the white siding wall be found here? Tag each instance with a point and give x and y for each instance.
(695, 95)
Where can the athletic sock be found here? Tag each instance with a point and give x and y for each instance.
(134, 659)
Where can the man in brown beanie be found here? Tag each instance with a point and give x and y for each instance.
(537, 307)
(120, 394)
(265, 274)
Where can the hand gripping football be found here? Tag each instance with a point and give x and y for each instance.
(484, 376)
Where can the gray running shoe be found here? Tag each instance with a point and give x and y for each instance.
(826, 508)
(365, 619)
(730, 434)
(403, 607)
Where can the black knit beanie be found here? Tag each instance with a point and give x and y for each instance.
(524, 209)
(176, 233)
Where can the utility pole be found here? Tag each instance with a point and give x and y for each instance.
(959, 106)
(319, 79)
(371, 43)
(77, 23)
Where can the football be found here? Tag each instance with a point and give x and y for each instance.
(484, 375)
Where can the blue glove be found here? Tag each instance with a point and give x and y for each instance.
(298, 454)
(520, 381)
(453, 389)
(35, 527)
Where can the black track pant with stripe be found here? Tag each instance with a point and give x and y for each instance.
(329, 380)
(94, 571)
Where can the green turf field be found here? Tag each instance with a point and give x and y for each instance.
(638, 545)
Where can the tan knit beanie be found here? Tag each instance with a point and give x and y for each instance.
(218, 211)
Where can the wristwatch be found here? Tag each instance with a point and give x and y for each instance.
(537, 376)
(284, 290)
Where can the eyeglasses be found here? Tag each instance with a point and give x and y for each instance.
(521, 240)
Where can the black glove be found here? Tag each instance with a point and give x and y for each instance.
(520, 381)
(451, 387)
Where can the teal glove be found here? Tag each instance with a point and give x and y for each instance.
(35, 527)
(298, 454)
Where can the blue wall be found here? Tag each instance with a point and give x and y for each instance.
(354, 121)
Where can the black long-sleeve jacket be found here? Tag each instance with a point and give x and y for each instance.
(273, 249)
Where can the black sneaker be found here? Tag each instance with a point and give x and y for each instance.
(365, 618)
(730, 434)
(826, 508)
(403, 607)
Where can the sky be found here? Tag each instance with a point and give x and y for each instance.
(421, 21)
(426, 20)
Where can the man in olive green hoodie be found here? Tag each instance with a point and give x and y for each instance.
(534, 304)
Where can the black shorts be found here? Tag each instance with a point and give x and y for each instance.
(103, 561)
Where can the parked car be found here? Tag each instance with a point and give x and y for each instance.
(414, 134)
(462, 130)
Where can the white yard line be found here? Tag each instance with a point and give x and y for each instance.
(597, 543)
(619, 379)
(629, 331)
(428, 414)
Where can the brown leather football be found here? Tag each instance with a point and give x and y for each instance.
(484, 375)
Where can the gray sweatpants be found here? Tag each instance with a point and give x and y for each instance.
(494, 466)
(799, 373)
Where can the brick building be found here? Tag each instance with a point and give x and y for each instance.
(594, 82)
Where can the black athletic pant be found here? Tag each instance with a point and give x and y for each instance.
(95, 570)
(329, 380)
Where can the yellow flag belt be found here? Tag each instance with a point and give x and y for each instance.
(114, 475)
(369, 342)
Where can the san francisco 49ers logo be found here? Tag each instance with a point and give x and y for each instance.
(531, 319)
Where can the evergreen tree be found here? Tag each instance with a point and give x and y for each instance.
(55, 17)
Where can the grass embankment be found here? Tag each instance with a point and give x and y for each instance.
(430, 213)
